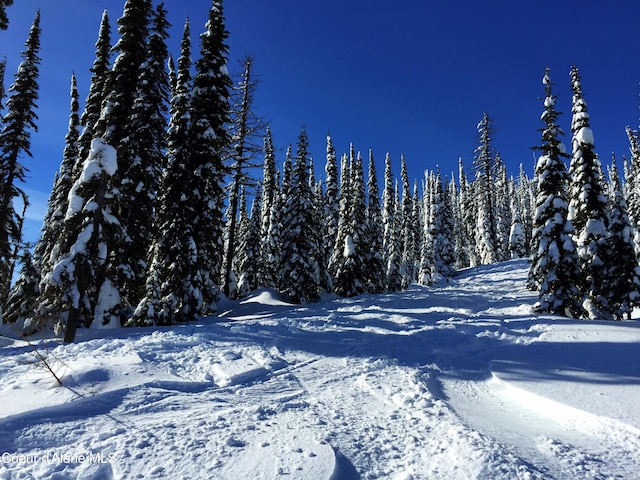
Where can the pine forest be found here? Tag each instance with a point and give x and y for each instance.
(171, 195)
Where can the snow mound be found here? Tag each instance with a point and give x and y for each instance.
(234, 368)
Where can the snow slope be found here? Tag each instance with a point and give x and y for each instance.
(457, 381)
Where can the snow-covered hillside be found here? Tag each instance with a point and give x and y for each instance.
(457, 381)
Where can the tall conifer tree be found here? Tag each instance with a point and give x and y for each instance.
(621, 261)
(24, 295)
(554, 268)
(81, 287)
(486, 163)
(146, 146)
(588, 207)
(408, 268)
(97, 90)
(331, 208)
(172, 292)
(270, 192)
(300, 243)
(15, 142)
(210, 140)
(375, 265)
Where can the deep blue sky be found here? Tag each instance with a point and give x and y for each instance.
(407, 76)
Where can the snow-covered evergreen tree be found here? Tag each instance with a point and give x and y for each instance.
(210, 139)
(122, 81)
(172, 291)
(621, 261)
(465, 236)
(93, 103)
(246, 263)
(392, 255)
(15, 141)
(79, 290)
(408, 263)
(145, 148)
(588, 207)
(24, 294)
(517, 237)
(271, 251)
(427, 269)
(524, 199)
(503, 194)
(633, 184)
(348, 263)
(444, 251)
(486, 163)
(554, 270)
(394, 261)
(375, 265)
(269, 198)
(300, 243)
(417, 227)
(58, 200)
(331, 208)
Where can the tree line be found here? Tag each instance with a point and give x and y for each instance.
(153, 213)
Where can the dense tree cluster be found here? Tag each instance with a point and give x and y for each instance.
(154, 209)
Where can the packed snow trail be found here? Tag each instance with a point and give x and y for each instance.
(457, 381)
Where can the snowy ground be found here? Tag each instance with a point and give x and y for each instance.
(458, 381)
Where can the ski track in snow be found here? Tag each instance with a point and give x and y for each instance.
(457, 381)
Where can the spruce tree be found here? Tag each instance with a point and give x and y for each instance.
(444, 251)
(4, 19)
(331, 209)
(344, 201)
(588, 207)
(349, 258)
(394, 264)
(486, 163)
(375, 265)
(15, 142)
(554, 270)
(417, 227)
(621, 261)
(391, 240)
(517, 238)
(94, 101)
(24, 294)
(464, 234)
(271, 251)
(525, 197)
(300, 243)
(122, 81)
(249, 249)
(269, 198)
(503, 194)
(172, 292)
(145, 148)
(427, 268)
(117, 127)
(210, 141)
(633, 184)
(408, 266)
(80, 288)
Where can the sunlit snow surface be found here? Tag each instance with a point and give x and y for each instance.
(456, 381)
